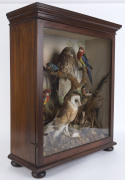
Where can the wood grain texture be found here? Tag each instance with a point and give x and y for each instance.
(58, 162)
(39, 89)
(111, 122)
(50, 13)
(26, 43)
(22, 62)
(76, 150)
(74, 29)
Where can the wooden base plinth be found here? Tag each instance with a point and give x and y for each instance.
(40, 172)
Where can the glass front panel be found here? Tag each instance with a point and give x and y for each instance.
(76, 90)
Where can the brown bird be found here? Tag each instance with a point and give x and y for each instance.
(67, 59)
(67, 62)
(65, 115)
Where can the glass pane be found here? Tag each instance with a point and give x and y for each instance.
(76, 90)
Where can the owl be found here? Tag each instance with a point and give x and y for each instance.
(65, 115)
(67, 63)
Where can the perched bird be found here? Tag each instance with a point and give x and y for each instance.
(85, 92)
(81, 56)
(46, 96)
(66, 59)
(66, 64)
(52, 67)
(65, 115)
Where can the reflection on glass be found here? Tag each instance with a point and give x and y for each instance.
(76, 90)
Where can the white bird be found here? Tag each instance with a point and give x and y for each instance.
(65, 115)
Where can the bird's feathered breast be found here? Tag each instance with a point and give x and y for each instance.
(66, 63)
(79, 55)
(66, 114)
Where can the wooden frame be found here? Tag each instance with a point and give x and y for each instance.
(26, 27)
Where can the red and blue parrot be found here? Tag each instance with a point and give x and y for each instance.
(81, 56)
(46, 96)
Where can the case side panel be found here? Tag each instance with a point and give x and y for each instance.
(23, 69)
(39, 94)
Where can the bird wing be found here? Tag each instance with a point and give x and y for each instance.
(85, 59)
(61, 117)
(61, 112)
(55, 68)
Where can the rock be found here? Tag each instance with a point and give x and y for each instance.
(76, 134)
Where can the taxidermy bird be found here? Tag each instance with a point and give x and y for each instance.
(65, 115)
(52, 67)
(81, 56)
(85, 92)
(67, 62)
(66, 59)
(46, 96)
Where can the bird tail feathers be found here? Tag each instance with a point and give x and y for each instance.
(90, 75)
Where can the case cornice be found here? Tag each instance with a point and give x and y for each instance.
(50, 13)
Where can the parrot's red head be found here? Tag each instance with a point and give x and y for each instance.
(80, 52)
(47, 92)
(81, 49)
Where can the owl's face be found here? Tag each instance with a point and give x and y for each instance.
(75, 100)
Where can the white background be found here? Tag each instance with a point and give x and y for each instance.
(101, 165)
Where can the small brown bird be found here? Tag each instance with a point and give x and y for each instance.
(85, 92)
(65, 115)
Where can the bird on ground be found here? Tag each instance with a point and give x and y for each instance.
(52, 67)
(82, 58)
(46, 96)
(65, 115)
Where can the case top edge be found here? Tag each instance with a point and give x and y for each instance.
(51, 13)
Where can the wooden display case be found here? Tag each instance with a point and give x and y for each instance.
(62, 86)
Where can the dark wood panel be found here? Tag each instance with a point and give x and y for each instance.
(26, 41)
(72, 29)
(76, 150)
(78, 155)
(39, 86)
(58, 162)
(112, 87)
(46, 12)
(23, 69)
